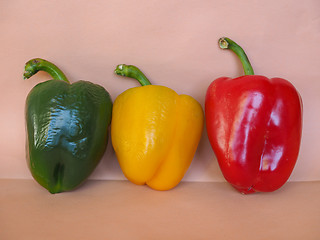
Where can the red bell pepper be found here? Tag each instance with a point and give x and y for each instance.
(254, 126)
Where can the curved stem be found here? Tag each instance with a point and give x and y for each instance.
(132, 72)
(227, 43)
(38, 64)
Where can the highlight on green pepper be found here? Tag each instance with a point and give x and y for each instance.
(67, 128)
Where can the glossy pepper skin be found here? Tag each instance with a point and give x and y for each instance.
(67, 128)
(155, 132)
(254, 126)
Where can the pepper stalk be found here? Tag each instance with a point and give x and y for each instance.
(132, 72)
(227, 43)
(37, 64)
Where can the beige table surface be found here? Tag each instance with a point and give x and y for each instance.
(122, 210)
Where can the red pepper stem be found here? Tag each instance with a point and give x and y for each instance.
(132, 72)
(37, 64)
(227, 43)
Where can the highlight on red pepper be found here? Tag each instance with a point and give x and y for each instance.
(155, 132)
(67, 128)
(254, 126)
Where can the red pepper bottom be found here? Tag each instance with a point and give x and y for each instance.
(244, 190)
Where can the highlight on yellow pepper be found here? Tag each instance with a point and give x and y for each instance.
(155, 132)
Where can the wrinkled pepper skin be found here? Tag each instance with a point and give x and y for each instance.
(254, 125)
(155, 133)
(67, 128)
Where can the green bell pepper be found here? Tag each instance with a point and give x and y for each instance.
(67, 128)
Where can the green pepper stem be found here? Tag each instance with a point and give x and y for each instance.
(38, 64)
(132, 72)
(227, 43)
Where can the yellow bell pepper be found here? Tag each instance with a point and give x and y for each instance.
(155, 132)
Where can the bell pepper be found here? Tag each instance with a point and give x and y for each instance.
(254, 126)
(67, 128)
(155, 132)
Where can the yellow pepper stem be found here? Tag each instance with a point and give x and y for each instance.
(132, 72)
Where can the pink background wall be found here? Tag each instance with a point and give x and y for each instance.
(174, 43)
